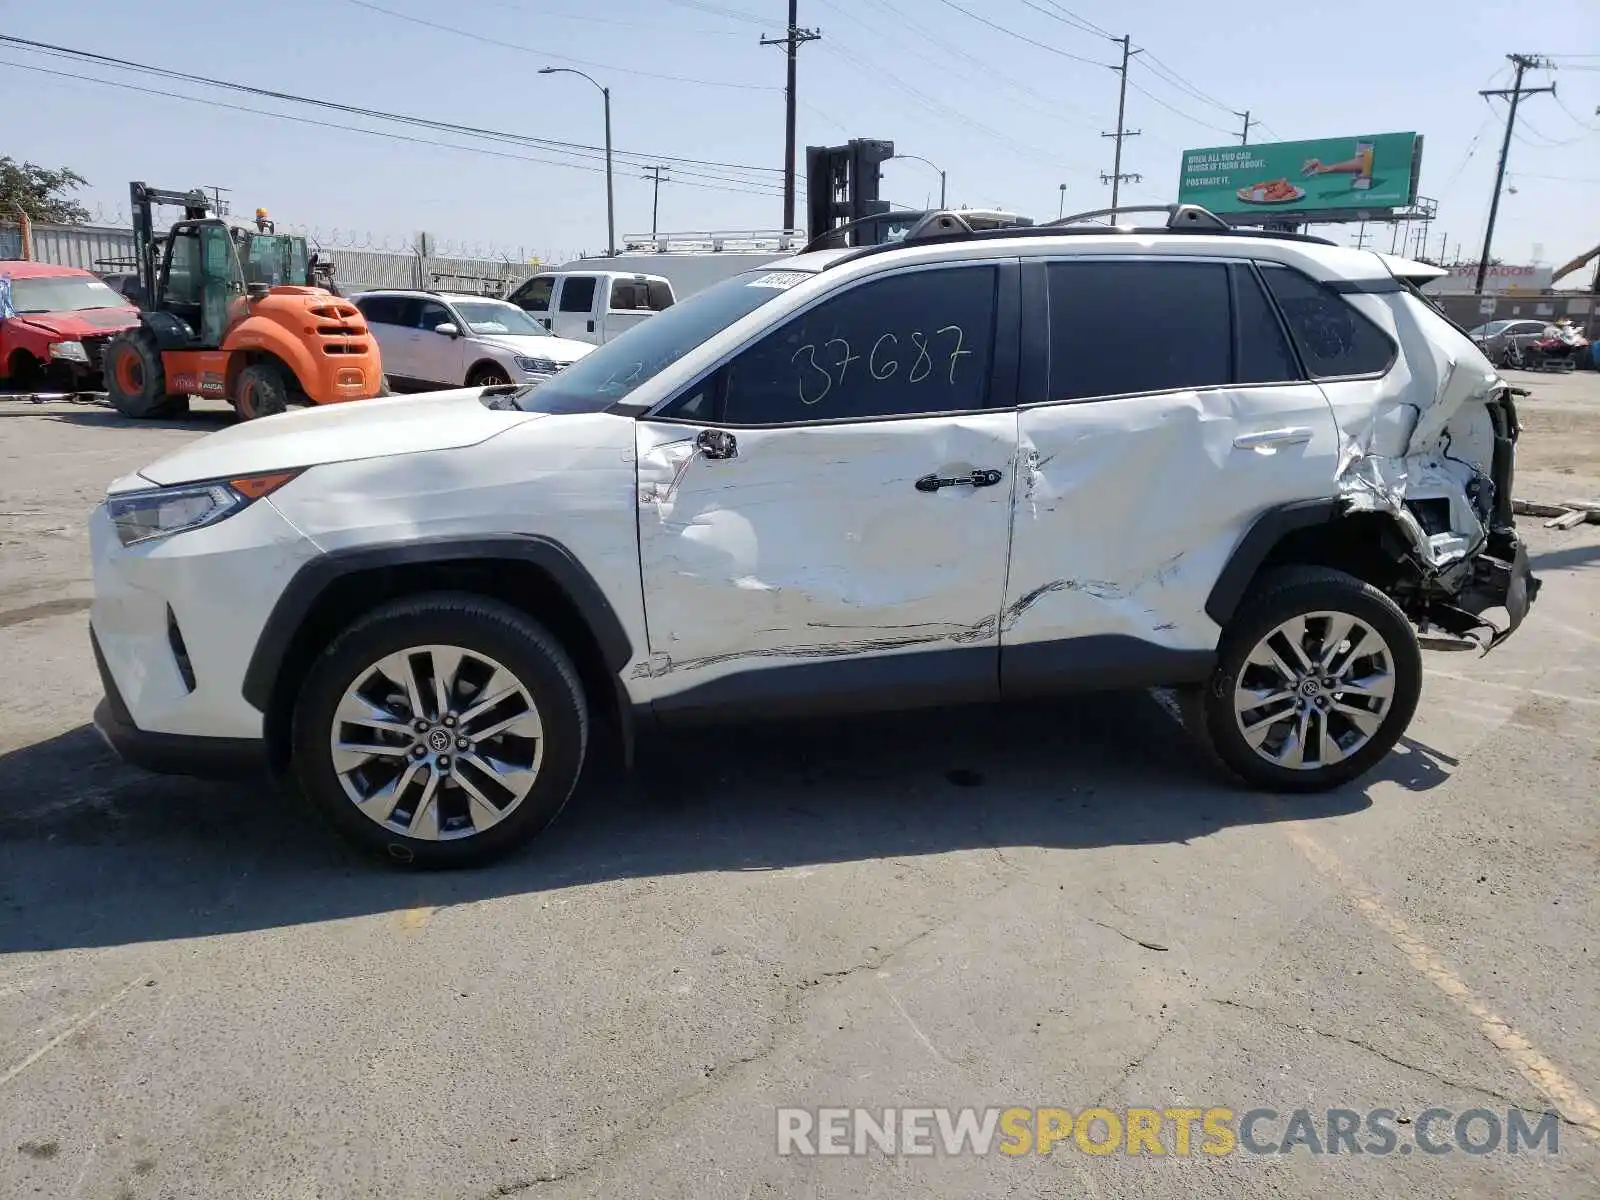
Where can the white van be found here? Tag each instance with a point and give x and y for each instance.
(592, 306)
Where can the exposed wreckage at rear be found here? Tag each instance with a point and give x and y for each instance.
(1424, 490)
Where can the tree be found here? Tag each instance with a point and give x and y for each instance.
(40, 192)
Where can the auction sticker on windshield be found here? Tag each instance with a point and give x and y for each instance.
(780, 279)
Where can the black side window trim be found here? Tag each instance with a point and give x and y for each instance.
(1254, 269)
(1004, 368)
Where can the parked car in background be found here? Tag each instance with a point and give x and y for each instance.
(1497, 337)
(55, 324)
(435, 340)
(592, 306)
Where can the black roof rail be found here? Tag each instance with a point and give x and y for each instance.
(1179, 216)
(949, 226)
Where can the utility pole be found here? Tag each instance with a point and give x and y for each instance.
(791, 43)
(1116, 177)
(655, 202)
(1244, 137)
(1523, 63)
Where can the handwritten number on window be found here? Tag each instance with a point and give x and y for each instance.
(893, 364)
(958, 352)
(810, 351)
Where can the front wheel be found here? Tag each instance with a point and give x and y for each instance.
(1317, 677)
(488, 375)
(136, 378)
(441, 730)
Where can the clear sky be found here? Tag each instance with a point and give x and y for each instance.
(1010, 121)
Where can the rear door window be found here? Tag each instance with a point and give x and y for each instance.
(1262, 353)
(1333, 338)
(1120, 327)
(577, 294)
(381, 310)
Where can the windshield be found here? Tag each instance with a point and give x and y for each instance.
(62, 293)
(491, 316)
(601, 379)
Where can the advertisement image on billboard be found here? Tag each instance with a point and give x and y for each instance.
(1366, 172)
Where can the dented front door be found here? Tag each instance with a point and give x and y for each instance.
(877, 548)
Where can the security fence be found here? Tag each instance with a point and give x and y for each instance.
(109, 248)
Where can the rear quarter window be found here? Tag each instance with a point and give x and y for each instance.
(1335, 341)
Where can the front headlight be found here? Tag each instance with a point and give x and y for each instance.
(69, 352)
(162, 512)
(537, 366)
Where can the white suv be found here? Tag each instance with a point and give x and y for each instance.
(963, 467)
(434, 339)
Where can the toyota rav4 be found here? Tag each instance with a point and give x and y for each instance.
(967, 466)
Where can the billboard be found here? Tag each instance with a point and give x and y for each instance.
(1340, 177)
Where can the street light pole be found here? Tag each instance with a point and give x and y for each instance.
(611, 209)
(936, 167)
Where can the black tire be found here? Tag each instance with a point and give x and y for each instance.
(260, 391)
(136, 378)
(513, 639)
(25, 372)
(488, 375)
(383, 386)
(1208, 710)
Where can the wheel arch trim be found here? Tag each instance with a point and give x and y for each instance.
(312, 581)
(1247, 557)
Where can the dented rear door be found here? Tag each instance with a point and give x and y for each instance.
(1168, 418)
(805, 533)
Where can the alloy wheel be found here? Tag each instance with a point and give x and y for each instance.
(1314, 690)
(437, 742)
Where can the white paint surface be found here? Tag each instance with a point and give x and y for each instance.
(815, 543)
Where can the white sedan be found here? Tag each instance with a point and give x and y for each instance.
(437, 340)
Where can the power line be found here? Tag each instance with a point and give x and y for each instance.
(1022, 37)
(1100, 29)
(583, 62)
(1576, 119)
(1179, 112)
(577, 148)
(1056, 13)
(563, 16)
(717, 10)
(989, 74)
(874, 70)
(397, 137)
(1178, 81)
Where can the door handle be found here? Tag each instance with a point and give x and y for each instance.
(974, 479)
(591, 326)
(716, 443)
(1269, 438)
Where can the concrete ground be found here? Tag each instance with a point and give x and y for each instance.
(202, 994)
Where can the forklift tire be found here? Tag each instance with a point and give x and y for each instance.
(136, 380)
(260, 392)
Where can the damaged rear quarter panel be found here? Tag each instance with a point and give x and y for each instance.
(1422, 432)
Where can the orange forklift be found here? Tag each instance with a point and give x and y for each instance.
(233, 313)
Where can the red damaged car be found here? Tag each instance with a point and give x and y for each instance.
(54, 323)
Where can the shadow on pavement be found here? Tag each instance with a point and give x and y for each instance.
(1572, 556)
(93, 853)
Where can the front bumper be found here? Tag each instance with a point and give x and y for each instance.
(169, 753)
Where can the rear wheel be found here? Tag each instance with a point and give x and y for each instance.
(260, 391)
(1317, 677)
(441, 730)
(136, 379)
(488, 375)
